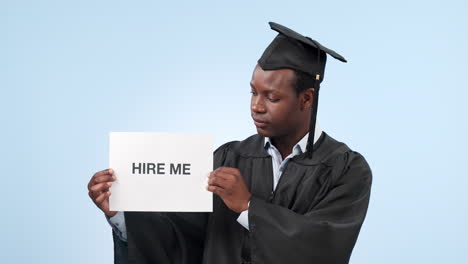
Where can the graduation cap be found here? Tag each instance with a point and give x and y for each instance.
(297, 52)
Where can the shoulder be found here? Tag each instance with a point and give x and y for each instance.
(252, 146)
(233, 150)
(329, 150)
(344, 164)
(348, 165)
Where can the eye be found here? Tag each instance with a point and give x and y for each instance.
(253, 92)
(273, 100)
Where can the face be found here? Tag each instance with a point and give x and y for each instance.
(276, 108)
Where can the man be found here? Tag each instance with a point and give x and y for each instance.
(289, 194)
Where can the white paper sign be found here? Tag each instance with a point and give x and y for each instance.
(160, 172)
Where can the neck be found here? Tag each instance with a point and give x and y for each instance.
(285, 143)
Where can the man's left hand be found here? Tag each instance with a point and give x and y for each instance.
(228, 184)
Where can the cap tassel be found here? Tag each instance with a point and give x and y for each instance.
(313, 118)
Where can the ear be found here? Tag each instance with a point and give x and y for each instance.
(306, 98)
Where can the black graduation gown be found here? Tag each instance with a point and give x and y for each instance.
(314, 215)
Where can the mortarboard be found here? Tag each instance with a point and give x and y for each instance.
(294, 51)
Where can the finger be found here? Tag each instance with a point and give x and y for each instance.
(104, 172)
(102, 197)
(217, 181)
(101, 187)
(229, 170)
(223, 175)
(216, 190)
(107, 178)
(226, 177)
(98, 174)
(93, 195)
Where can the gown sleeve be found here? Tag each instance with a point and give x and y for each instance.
(325, 234)
(120, 249)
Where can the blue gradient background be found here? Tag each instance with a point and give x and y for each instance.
(70, 72)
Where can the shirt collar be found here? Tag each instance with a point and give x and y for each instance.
(302, 144)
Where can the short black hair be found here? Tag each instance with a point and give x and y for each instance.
(302, 81)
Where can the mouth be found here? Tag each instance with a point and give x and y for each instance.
(260, 123)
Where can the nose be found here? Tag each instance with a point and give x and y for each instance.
(257, 105)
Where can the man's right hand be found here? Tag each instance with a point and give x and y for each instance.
(98, 190)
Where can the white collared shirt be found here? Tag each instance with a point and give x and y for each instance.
(279, 164)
